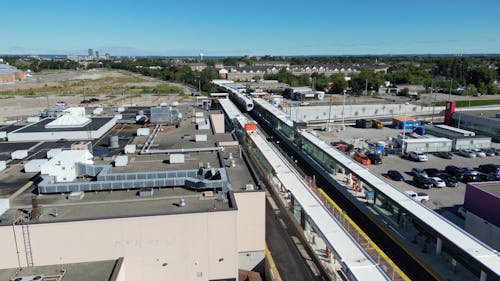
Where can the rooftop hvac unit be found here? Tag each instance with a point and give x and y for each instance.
(146, 192)
(29, 278)
(19, 154)
(113, 142)
(130, 148)
(76, 196)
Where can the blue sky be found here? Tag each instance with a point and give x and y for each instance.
(257, 27)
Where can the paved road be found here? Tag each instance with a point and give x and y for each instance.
(289, 262)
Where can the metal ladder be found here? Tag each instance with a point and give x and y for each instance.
(27, 242)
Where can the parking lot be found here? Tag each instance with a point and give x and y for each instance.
(443, 199)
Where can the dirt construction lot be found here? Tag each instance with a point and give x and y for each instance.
(44, 89)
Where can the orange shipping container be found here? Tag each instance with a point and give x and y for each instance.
(250, 127)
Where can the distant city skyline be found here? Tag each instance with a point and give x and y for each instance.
(234, 28)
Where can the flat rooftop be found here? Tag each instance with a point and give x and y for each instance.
(95, 124)
(165, 200)
(490, 187)
(116, 204)
(84, 271)
(483, 113)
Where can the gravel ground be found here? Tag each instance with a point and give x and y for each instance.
(14, 107)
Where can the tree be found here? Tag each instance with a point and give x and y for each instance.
(339, 84)
(366, 77)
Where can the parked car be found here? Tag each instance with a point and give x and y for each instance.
(453, 170)
(418, 172)
(437, 182)
(419, 196)
(479, 152)
(467, 153)
(60, 103)
(469, 170)
(490, 151)
(445, 155)
(431, 172)
(395, 175)
(489, 177)
(422, 182)
(448, 179)
(471, 177)
(418, 156)
(374, 158)
(489, 168)
(362, 159)
(94, 99)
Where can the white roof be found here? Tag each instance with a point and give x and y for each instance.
(427, 140)
(72, 156)
(359, 264)
(229, 108)
(348, 250)
(68, 121)
(469, 244)
(78, 111)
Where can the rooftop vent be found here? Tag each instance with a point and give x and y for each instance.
(29, 278)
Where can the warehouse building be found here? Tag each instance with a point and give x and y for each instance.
(482, 201)
(66, 127)
(9, 73)
(486, 122)
(201, 217)
(462, 139)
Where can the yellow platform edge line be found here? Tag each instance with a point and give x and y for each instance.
(272, 265)
(360, 231)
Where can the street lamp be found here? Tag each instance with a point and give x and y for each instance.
(404, 128)
(343, 109)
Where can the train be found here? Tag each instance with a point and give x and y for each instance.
(238, 96)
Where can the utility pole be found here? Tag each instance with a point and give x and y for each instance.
(433, 103)
(404, 129)
(451, 85)
(329, 128)
(343, 109)
(366, 87)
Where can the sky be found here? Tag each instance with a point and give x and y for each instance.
(257, 27)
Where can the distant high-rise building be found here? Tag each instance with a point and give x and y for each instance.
(91, 52)
(107, 56)
(97, 54)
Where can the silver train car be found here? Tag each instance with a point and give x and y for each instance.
(244, 102)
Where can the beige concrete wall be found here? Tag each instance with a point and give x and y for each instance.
(198, 246)
(251, 221)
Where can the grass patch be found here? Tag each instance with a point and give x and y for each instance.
(465, 103)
